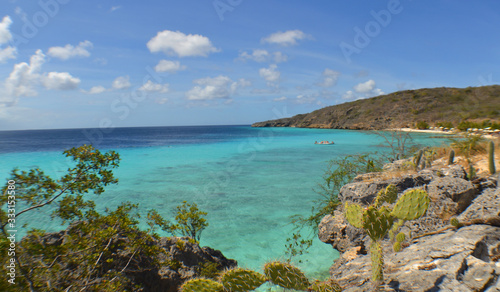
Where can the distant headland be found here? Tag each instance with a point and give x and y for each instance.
(448, 107)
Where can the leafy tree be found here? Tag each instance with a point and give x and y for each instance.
(190, 220)
(97, 252)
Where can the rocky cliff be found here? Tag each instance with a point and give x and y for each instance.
(402, 109)
(438, 257)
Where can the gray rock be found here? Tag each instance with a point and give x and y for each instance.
(336, 231)
(365, 192)
(456, 260)
(455, 171)
(454, 194)
(486, 205)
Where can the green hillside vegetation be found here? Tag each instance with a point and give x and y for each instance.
(448, 107)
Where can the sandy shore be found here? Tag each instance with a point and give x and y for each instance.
(422, 131)
(487, 136)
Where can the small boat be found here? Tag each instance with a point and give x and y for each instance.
(324, 143)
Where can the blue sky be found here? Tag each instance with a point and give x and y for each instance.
(112, 63)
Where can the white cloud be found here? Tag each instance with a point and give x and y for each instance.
(368, 88)
(162, 100)
(365, 87)
(24, 77)
(271, 75)
(59, 81)
(220, 87)
(303, 99)
(283, 98)
(113, 8)
(180, 44)
(70, 51)
(7, 53)
(154, 87)
(330, 78)
(122, 82)
(96, 90)
(169, 66)
(261, 56)
(287, 38)
(349, 95)
(5, 36)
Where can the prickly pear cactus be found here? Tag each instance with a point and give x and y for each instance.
(411, 205)
(377, 261)
(201, 285)
(396, 246)
(455, 222)
(400, 237)
(327, 286)
(354, 214)
(389, 195)
(241, 280)
(377, 222)
(285, 275)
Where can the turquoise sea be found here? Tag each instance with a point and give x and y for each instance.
(249, 180)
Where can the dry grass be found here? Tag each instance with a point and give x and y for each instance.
(478, 158)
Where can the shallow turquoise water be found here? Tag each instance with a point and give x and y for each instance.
(248, 186)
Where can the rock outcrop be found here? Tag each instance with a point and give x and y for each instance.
(438, 257)
(180, 259)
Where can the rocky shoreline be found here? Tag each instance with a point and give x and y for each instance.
(438, 257)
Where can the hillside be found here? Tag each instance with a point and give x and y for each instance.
(403, 109)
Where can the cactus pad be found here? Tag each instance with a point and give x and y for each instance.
(377, 261)
(400, 237)
(285, 275)
(327, 286)
(201, 285)
(354, 214)
(389, 195)
(241, 280)
(455, 222)
(397, 246)
(411, 205)
(377, 222)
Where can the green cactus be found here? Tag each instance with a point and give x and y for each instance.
(285, 275)
(472, 172)
(327, 286)
(491, 157)
(451, 158)
(418, 158)
(378, 220)
(395, 227)
(389, 195)
(241, 280)
(400, 237)
(455, 222)
(412, 205)
(354, 214)
(377, 261)
(201, 285)
(396, 246)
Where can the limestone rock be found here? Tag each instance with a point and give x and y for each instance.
(486, 205)
(340, 234)
(455, 194)
(456, 260)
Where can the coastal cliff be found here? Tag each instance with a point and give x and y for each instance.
(402, 109)
(438, 256)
